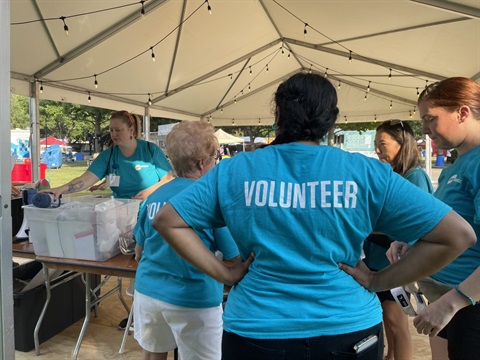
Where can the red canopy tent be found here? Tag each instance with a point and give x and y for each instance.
(51, 140)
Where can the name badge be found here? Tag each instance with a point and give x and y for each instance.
(113, 180)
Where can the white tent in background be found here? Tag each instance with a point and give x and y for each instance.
(225, 138)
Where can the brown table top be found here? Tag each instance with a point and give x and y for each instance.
(120, 265)
(23, 249)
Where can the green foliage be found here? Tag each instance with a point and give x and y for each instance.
(19, 116)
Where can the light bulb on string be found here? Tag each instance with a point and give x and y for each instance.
(305, 30)
(89, 97)
(414, 110)
(390, 75)
(288, 56)
(375, 118)
(41, 87)
(368, 87)
(233, 121)
(259, 122)
(339, 84)
(153, 54)
(410, 113)
(142, 10)
(249, 87)
(310, 70)
(209, 8)
(250, 71)
(326, 73)
(366, 95)
(235, 100)
(418, 92)
(221, 110)
(95, 82)
(283, 51)
(391, 104)
(350, 57)
(426, 83)
(241, 92)
(346, 120)
(65, 26)
(267, 67)
(231, 76)
(149, 100)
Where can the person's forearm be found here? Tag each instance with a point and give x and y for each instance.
(450, 238)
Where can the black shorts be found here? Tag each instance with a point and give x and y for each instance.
(463, 334)
(385, 295)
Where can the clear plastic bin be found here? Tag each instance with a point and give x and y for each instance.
(84, 228)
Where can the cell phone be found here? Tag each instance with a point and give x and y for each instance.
(365, 343)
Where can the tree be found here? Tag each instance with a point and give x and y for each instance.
(19, 115)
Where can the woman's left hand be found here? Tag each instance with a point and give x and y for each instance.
(361, 273)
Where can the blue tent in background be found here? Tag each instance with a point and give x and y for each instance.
(52, 157)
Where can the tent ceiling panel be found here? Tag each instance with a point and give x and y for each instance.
(418, 42)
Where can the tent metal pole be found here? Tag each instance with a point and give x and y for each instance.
(35, 130)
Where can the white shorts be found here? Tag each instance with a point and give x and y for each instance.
(161, 327)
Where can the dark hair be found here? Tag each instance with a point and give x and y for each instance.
(305, 108)
(452, 93)
(408, 156)
(129, 120)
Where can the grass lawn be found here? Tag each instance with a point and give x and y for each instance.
(67, 172)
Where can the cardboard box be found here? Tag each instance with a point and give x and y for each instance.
(84, 228)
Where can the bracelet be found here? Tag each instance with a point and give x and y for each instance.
(457, 288)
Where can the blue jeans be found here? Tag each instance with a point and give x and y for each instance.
(334, 347)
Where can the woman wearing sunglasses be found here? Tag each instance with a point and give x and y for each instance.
(450, 112)
(301, 219)
(395, 144)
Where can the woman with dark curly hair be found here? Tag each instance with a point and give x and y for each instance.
(301, 209)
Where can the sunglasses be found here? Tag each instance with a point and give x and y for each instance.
(396, 122)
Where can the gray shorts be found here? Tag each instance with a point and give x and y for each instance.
(433, 289)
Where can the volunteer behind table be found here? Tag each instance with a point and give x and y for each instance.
(132, 167)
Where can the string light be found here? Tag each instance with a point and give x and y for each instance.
(368, 87)
(326, 72)
(350, 57)
(149, 100)
(142, 10)
(366, 95)
(391, 104)
(89, 97)
(426, 83)
(414, 110)
(339, 84)
(250, 71)
(375, 118)
(95, 82)
(267, 67)
(235, 100)
(346, 119)
(233, 121)
(65, 26)
(259, 122)
(305, 30)
(41, 87)
(249, 87)
(288, 56)
(418, 92)
(390, 75)
(209, 8)
(283, 51)
(153, 54)
(310, 70)
(410, 112)
(221, 110)
(231, 76)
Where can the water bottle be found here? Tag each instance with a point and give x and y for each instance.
(45, 200)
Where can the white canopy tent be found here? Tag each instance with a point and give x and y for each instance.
(225, 66)
(226, 138)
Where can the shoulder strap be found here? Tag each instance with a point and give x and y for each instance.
(107, 170)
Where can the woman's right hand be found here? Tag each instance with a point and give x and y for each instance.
(397, 250)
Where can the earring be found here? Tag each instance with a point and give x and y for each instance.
(131, 137)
